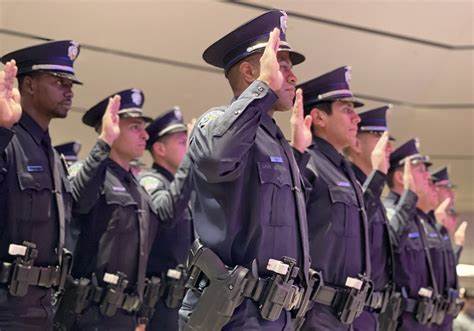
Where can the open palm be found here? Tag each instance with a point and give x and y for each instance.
(10, 107)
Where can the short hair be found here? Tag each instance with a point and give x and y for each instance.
(325, 106)
(21, 78)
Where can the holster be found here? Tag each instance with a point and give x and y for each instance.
(389, 318)
(151, 296)
(220, 289)
(175, 287)
(354, 302)
(455, 303)
(425, 310)
(75, 299)
(314, 284)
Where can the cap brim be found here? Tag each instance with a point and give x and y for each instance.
(136, 115)
(66, 75)
(295, 57)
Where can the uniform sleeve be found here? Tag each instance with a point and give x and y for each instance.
(87, 182)
(457, 250)
(400, 216)
(170, 202)
(6, 136)
(372, 188)
(222, 138)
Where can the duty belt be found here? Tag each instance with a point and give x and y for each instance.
(379, 300)
(22, 273)
(223, 289)
(36, 276)
(348, 302)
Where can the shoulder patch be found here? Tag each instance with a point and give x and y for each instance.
(74, 168)
(149, 183)
(206, 118)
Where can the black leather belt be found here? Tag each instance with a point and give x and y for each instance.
(410, 305)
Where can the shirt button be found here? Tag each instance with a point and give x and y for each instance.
(256, 94)
(236, 112)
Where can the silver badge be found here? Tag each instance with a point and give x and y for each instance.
(417, 143)
(137, 96)
(178, 114)
(73, 50)
(283, 22)
(348, 74)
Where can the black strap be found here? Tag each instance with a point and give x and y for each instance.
(365, 224)
(300, 201)
(424, 241)
(326, 295)
(57, 191)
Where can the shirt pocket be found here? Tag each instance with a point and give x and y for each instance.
(413, 260)
(34, 202)
(123, 217)
(275, 180)
(345, 214)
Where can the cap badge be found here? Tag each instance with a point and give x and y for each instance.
(283, 22)
(136, 97)
(348, 75)
(73, 50)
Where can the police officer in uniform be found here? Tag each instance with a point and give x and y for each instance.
(444, 257)
(370, 161)
(35, 195)
(337, 221)
(445, 189)
(249, 204)
(117, 220)
(407, 204)
(167, 145)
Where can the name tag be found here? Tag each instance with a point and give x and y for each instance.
(414, 235)
(276, 159)
(34, 168)
(344, 184)
(118, 189)
(433, 234)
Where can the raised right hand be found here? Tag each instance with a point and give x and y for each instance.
(269, 66)
(379, 157)
(10, 107)
(110, 121)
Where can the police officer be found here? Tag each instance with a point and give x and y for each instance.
(249, 204)
(370, 161)
(337, 222)
(69, 151)
(407, 205)
(446, 213)
(167, 145)
(117, 219)
(444, 259)
(35, 195)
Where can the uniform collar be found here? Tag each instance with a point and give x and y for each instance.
(33, 128)
(270, 125)
(393, 196)
(328, 150)
(122, 174)
(168, 175)
(360, 175)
